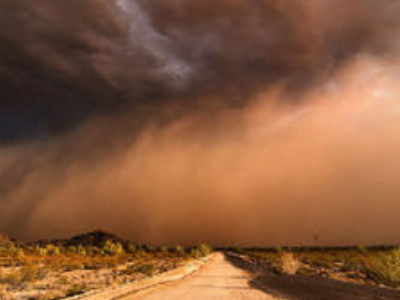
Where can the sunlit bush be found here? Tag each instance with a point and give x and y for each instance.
(111, 248)
(384, 267)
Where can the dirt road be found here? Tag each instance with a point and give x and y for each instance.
(218, 280)
(228, 278)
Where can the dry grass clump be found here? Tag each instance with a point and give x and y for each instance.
(277, 261)
(290, 264)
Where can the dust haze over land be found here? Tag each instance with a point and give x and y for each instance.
(233, 122)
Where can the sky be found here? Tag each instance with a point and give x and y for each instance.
(257, 122)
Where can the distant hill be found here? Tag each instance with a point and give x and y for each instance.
(95, 238)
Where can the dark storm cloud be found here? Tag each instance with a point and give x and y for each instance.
(60, 61)
(258, 42)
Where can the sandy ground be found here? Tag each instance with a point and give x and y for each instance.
(230, 279)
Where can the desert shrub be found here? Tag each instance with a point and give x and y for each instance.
(3, 251)
(12, 249)
(362, 249)
(200, 251)
(268, 258)
(132, 249)
(17, 278)
(317, 259)
(111, 248)
(384, 267)
(92, 265)
(40, 251)
(111, 262)
(75, 290)
(30, 273)
(91, 250)
(195, 253)
(81, 250)
(149, 249)
(289, 264)
(12, 279)
(179, 250)
(63, 280)
(2, 278)
(20, 254)
(72, 250)
(205, 249)
(148, 269)
(352, 263)
(72, 265)
(52, 250)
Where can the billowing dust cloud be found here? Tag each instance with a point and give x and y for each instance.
(231, 122)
